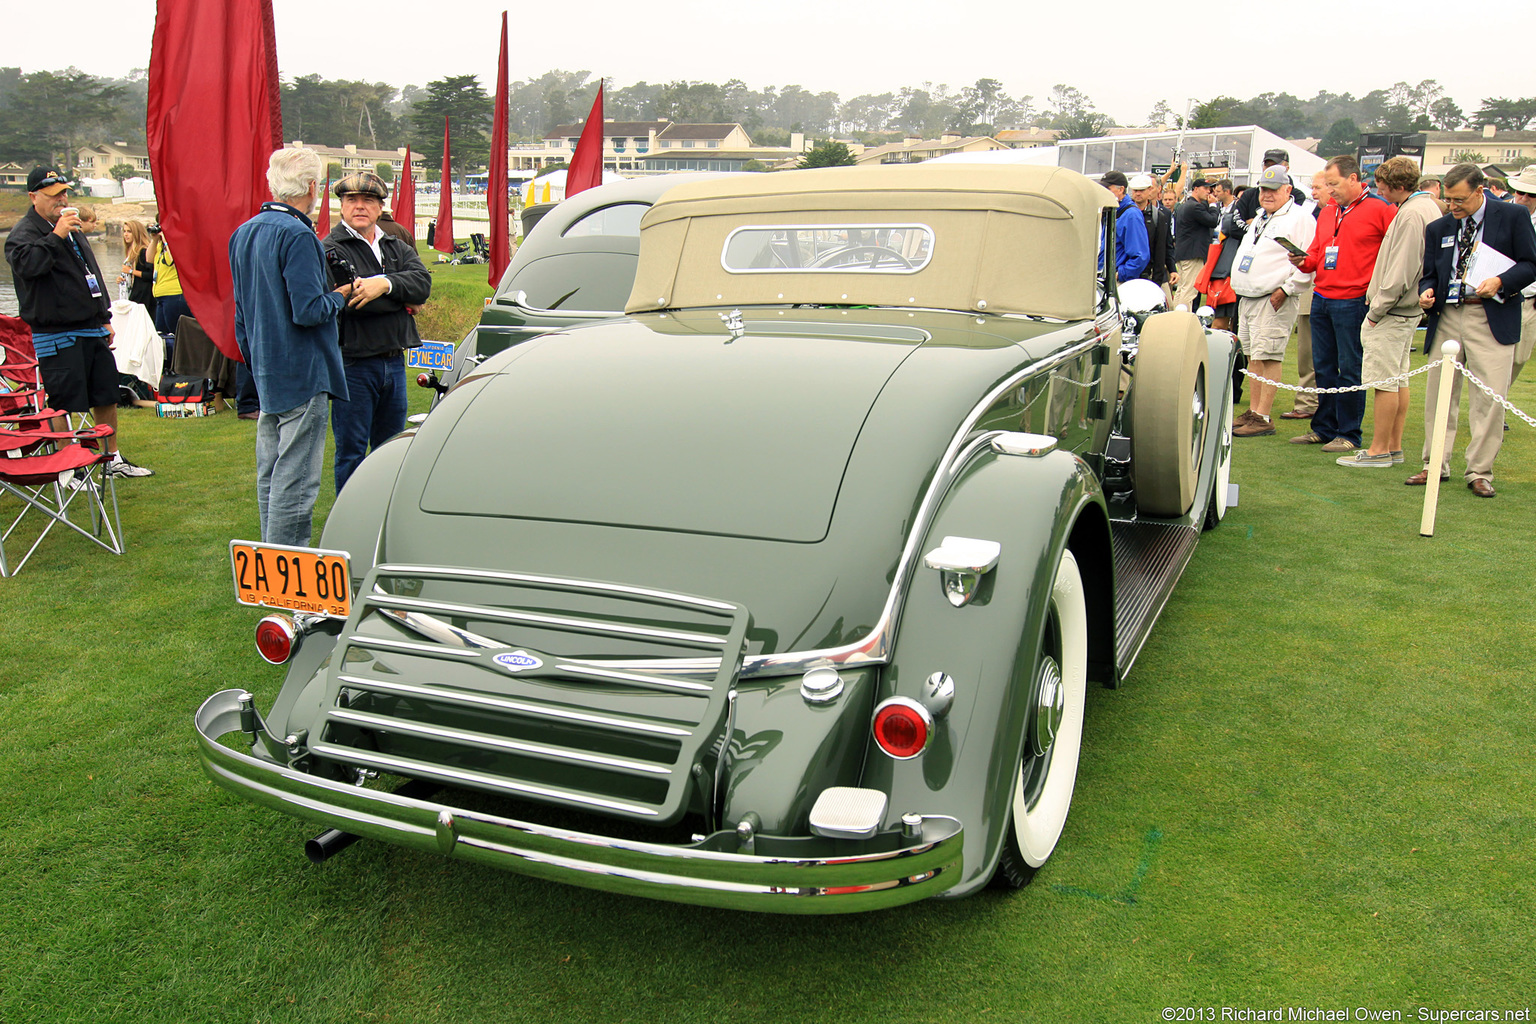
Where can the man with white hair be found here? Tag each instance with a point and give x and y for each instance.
(285, 324)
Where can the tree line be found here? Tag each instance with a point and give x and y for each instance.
(45, 116)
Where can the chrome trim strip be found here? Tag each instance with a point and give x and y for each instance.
(629, 677)
(556, 582)
(553, 621)
(386, 644)
(519, 299)
(463, 777)
(480, 700)
(486, 741)
(443, 632)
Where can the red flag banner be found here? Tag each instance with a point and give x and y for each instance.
(405, 197)
(586, 169)
(442, 240)
(323, 208)
(212, 90)
(496, 182)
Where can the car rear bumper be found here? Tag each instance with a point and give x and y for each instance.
(794, 875)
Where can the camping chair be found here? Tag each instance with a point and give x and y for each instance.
(23, 403)
(48, 471)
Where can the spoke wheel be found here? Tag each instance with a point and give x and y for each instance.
(1047, 773)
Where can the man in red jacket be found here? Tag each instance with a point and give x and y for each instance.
(1342, 256)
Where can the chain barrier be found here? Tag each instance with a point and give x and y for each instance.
(1461, 367)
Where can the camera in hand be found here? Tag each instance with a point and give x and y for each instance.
(154, 228)
(342, 272)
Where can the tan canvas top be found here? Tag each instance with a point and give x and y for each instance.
(1004, 238)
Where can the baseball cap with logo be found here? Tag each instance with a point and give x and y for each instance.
(50, 181)
(1274, 176)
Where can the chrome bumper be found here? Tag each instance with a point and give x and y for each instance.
(801, 875)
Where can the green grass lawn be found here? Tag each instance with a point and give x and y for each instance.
(1314, 790)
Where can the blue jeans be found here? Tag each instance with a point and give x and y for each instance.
(1336, 357)
(290, 452)
(373, 413)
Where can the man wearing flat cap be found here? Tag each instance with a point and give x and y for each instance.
(63, 298)
(378, 323)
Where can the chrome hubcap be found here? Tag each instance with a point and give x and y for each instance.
(1050, 708)
(1197, 422)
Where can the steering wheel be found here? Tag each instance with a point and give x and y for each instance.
(876, 254)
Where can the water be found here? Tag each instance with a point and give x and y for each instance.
(109, 255)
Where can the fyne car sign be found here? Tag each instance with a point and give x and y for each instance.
(432, 355)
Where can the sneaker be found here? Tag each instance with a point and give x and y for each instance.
(1397, 457)
(1340, 444)
(1361, 459)
(1310, 437)
(120, 466)
(1256, 427)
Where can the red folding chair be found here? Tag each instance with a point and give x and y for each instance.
(48, 471)
(22, 402)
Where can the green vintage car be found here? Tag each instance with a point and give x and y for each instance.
(781, 592)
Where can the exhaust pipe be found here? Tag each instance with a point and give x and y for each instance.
(333, 840)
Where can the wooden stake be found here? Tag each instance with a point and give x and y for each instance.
(1448, 369)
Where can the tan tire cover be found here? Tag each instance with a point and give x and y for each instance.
(1165, 460)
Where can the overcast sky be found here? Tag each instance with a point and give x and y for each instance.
(853, 48)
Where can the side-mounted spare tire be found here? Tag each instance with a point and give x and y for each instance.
(1169, 413)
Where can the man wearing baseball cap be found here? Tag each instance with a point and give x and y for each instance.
(377, 325)
(63, 298)
(1131, 250)
(1146, 192)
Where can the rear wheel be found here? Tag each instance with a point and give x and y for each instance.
(1047, 774)
(1169, 413)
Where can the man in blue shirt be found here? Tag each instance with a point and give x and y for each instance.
(285, 324)
(1132, 252)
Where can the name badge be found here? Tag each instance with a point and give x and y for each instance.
(93, 284)
(1447, 241)
(1331, 258)
(1243, 267)
(1453, 294)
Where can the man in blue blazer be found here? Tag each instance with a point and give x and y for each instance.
(1484, 316)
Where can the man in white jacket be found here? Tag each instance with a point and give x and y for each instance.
(1267, 287)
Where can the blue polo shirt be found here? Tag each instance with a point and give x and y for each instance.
(285, 310)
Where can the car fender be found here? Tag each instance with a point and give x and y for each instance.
(1033, 507)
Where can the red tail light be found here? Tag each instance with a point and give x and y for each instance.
(275, 637)
(902, 727)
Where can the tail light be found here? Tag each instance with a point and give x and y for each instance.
(902, 727)
(275, 637)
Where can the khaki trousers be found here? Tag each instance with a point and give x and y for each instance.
(1492, 363)
(1306, 375)
(1527, 340)
(1187, 295)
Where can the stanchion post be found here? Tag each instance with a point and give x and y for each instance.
(1448, 369)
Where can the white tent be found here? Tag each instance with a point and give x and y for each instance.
(139, 188)
(105, 187)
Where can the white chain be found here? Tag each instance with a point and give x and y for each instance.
(1391, 382)
(1394, 382)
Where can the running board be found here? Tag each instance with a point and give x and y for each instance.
(1149, 559)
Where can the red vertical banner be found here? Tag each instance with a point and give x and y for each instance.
(586, 169)
(323, 207)
(404, 210)
(213, 89)
(496, 183)
(442, 240)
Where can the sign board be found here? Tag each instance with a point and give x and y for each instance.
(432, 355)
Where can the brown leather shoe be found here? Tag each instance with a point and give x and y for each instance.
(1481, 488)
(1421, 479)
(1294, 415)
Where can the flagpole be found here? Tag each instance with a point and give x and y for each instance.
(496, 183)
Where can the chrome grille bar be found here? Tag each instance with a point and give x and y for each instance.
(486, 741)
(548, 621)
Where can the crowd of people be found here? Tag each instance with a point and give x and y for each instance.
(1354, 270)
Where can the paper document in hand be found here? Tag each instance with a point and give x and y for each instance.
(1486, 262)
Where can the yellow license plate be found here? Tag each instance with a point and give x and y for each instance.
(304, 580)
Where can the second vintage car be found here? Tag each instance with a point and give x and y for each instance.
(782, 592)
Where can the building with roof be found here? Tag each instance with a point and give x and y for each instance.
(98, 161)
(1032, 137)
(914, 150)
(1488, 145)
(635, 148)
(12, 174)
(352, 158)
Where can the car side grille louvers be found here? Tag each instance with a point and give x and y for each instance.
(440, 687)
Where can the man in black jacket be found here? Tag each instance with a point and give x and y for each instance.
(63, 298)
(378, 324)
(1194, 221)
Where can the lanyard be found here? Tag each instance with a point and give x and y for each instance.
(1345, 212)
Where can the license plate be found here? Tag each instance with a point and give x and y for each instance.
(304, 580)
